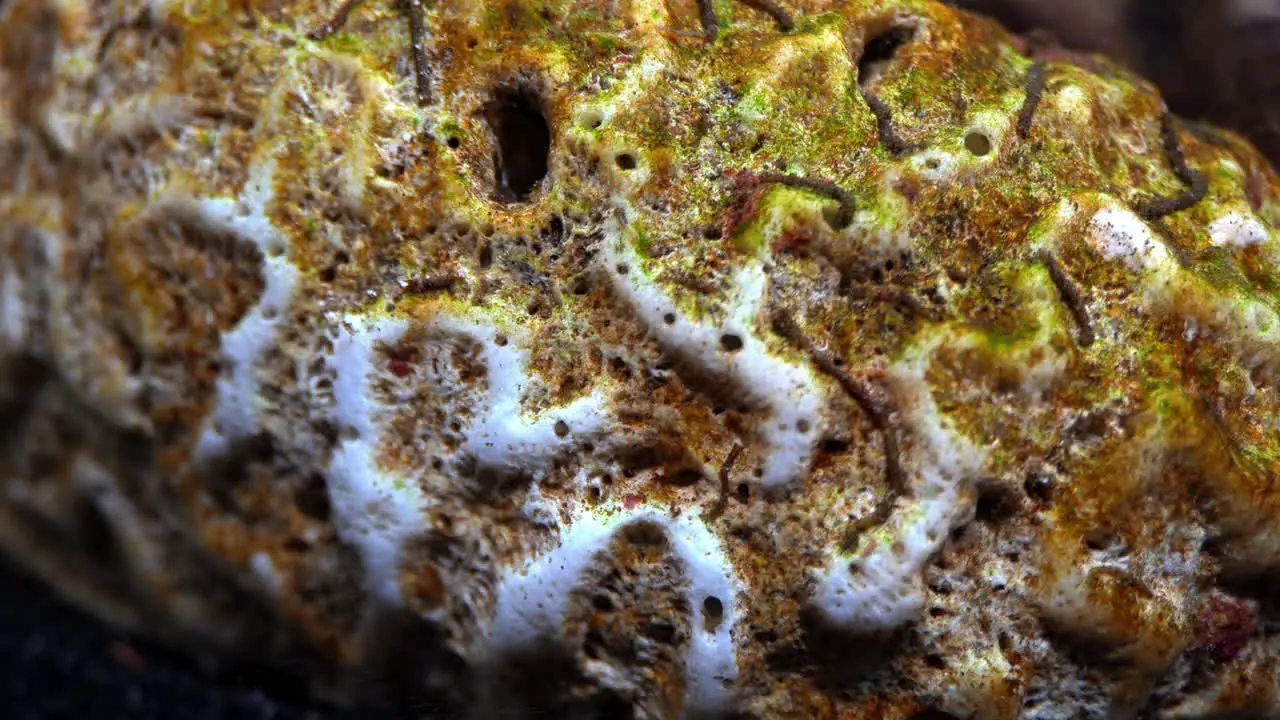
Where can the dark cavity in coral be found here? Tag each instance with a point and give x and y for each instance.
(523, 138)
(880, 51)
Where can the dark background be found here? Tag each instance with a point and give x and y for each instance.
(56, 663)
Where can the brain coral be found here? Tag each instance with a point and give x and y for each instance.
(669, 357)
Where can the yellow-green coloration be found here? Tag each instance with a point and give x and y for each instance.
(296, 363)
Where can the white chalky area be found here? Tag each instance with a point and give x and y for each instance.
(236, 414)
(375, 510)
(533, 600)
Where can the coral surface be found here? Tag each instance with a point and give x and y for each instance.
(673, 358)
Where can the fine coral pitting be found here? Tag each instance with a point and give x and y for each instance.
(670, 359)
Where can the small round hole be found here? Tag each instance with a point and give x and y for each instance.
(453, 142)
(561, 428)
(977, 143)
(626, 161)
(730, 342)
(669, 318)
(713, 607)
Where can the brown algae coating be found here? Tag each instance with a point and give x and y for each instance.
(812, 359)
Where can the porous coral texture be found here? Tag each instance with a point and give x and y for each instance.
(656, 357)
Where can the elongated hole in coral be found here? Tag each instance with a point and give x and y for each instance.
(626, 161)
(713, 607)
(881, 50)
(712, 613)
(684, 477)
(518, 124)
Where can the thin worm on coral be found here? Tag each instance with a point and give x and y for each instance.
(1197, 184)
(1070, 295)
(412, 11)
(730, 460)
(1034, 88)
(848, 205)
(860, 391)
(711, 24)
(889, 137)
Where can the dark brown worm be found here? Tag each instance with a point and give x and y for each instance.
(860, 392)
(773, 10)
(417, 38)
(711, 25)
(1070, 295)
(412, 11)
(1197, 184)
(1034, 86)
(823, 187)
(889, 137)
(723, 501)
(336, 21)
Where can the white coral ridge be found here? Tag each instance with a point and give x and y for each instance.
(882, 588)
(506, 439)
(533, 602)
(373, 510)
(378, 510)
(236, 414)
(787, 392)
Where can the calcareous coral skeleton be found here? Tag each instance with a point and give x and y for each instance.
(669, 357)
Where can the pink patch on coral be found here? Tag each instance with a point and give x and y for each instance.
(399, 368)
(1226, 626)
